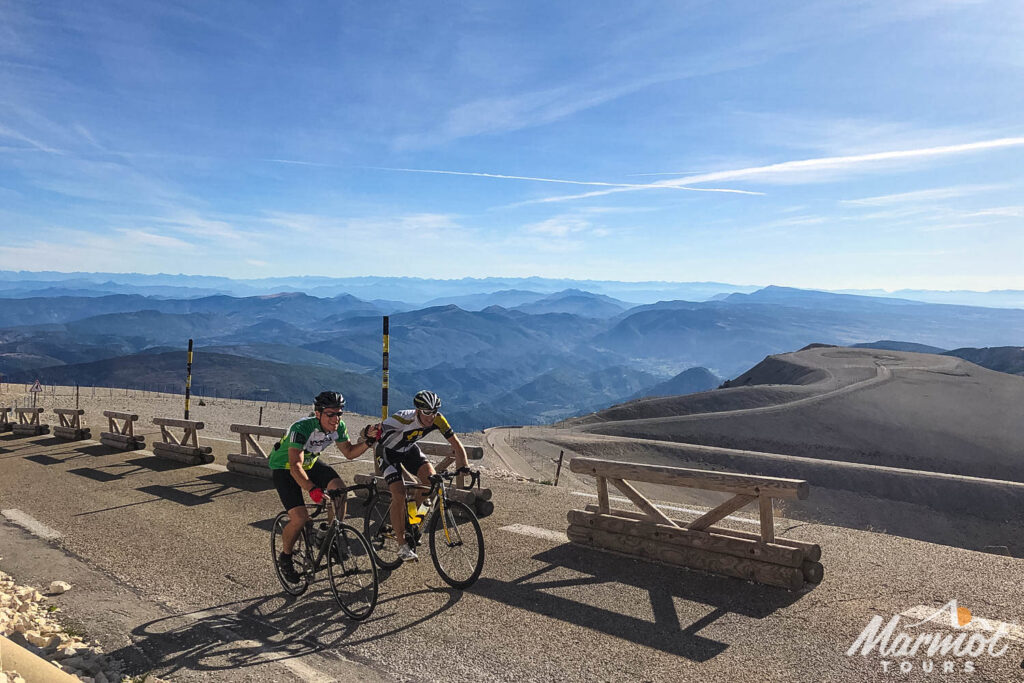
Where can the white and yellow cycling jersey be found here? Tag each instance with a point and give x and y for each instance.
(402, 430)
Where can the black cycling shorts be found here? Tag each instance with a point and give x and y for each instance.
(290, 491)
(390, 462)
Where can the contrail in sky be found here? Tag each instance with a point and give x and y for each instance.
(636, 186)
(823, 163)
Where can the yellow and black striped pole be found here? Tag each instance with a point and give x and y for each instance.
(384, 377)
(188, 378)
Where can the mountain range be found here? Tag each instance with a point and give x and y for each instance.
(535, 357)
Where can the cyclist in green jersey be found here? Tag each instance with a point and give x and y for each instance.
(295, 467)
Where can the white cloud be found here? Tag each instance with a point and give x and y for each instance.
(560, 226)
(150, 239)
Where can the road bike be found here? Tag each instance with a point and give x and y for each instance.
(344, 550)
(453, 531)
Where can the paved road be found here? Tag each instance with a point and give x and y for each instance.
(172, 572)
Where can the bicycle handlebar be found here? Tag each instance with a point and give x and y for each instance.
(334, 494)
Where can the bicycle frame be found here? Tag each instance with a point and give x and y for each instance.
(332, 528)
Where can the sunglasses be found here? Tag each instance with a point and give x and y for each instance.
(333, 414)
(429, 413)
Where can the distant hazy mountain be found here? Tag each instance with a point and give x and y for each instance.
(686, 382)
(807, 298)
(576, 302)
(289, 307)
(999, 298)
(1002, 358)
(506, 298)
(899, 346)
(419, 291)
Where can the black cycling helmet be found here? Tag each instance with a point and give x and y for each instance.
(328, 399)
(427, 400)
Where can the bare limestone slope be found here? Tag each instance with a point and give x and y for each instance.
(889, 408)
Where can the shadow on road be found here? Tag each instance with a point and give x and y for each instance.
(605, 579)
(266, 629)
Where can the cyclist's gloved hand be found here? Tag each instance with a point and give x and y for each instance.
(316, 495)
(370, 433)
(464, 470)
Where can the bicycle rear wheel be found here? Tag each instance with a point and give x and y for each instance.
(353, 573)
(298, 556)
(456, 544)
(379, 533)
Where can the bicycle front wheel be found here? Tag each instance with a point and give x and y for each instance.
(298, 556)
(379, 533)
(456, 544)
(353, 573)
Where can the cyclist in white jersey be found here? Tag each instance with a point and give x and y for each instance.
(398, 436)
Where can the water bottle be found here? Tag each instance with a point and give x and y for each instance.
(414, 513)
(320, 532)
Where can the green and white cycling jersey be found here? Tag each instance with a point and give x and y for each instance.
(307, 435)
(402, 430)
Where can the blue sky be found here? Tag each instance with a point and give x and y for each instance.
(811, 144)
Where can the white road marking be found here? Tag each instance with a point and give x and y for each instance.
(547, 534)
(1013, 631)
(619, 499)
(31, 525)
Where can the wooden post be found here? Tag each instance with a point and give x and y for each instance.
(767, 519)
(602, 494)
(558, 471)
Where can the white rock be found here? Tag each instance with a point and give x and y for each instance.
(40, 640)
(58, 587)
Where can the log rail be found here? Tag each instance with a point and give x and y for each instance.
(28, 422)
(697, 544)
(71, 427)
(184, 449)
(122, 435)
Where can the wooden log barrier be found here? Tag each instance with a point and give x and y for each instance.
(252, 459)
(28, 422)
(811, 550)
(122, 434)
(5, 422)
(71, 427)
(697, 544)
(186, 448)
